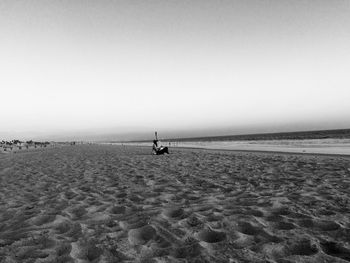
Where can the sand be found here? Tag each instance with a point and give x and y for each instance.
(16, 149)
(316, 146)
(100, 203)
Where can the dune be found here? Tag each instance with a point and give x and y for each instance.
(103, 203)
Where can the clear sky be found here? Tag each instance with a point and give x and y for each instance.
(114, 67)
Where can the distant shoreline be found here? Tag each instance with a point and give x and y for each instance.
(329, 142)
(297, 135)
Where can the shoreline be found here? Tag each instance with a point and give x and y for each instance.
(269, 152)
(274, 151)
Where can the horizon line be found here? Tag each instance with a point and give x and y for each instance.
(308, 132)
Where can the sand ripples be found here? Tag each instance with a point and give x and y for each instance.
(115, 204)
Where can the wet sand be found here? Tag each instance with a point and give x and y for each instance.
(314, 146)
(101, 203)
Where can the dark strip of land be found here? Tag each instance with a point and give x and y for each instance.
(298, 135)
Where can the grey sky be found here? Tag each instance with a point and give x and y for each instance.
(109, 66)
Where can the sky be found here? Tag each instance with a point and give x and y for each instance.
(122, 69)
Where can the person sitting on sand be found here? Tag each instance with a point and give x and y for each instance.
(159, 150)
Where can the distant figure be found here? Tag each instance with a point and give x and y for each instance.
(159, 150)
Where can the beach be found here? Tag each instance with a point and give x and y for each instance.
(331, 146)
(109, 203)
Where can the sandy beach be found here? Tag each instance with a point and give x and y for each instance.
(331, 146)
(314, 146)
(103, 203)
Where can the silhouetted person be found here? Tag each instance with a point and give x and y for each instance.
(159, 149)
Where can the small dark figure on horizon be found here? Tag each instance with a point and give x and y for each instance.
(159, 149)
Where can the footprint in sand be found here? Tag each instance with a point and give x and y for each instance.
(75, 232)
(134, 222)
(325, 225)
(336, 249)
(63, 227)
(117, 210)
(249, 229)
(211, 236)
(63, 250)
(302, 247)
(255, 212)
(78, 212)
(43, 219)
(193, 221)
(85, 251)
(141, 235)
(174, 212)
(189, 248)
(282, 225)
